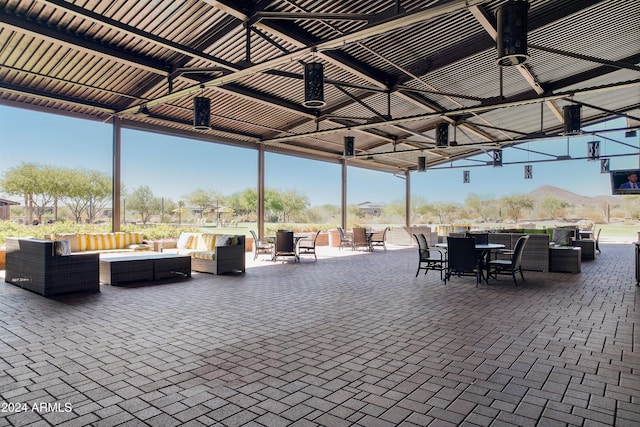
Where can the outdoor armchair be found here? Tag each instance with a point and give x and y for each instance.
(513, 264)
(430, 258)
(307, 246)
(260, 246)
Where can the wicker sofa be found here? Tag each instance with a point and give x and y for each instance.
(39, 266)
(211, 253)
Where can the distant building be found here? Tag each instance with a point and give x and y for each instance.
(373, 209)
(5, 209)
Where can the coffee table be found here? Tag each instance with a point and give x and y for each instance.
(119, 269)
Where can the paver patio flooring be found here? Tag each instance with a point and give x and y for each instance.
(348, 340)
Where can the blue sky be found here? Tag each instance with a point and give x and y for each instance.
(173, 167)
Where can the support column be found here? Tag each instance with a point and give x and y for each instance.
(407, 213)
(260, 206)
(343, 202)
(116, 179)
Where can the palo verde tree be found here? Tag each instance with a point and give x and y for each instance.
(87, 192)
(37, 184)
(515, 204)
(204, 199)
(144, 202)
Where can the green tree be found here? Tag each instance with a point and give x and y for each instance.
(553, 206)
(244, 202)
(144, 202)
(515, 204)
(292, 203)
(85, 192)
(483, 206)
(203, 199)
(445, 211)
(36, 183)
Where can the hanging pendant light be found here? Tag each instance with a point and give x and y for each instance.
(442, 135)
(313, 85)
(511, 36)
(593, 150)
(528, 172)
(466, 177)
(497, 158)
(201, 113)
(571, 117)
(422, 164)
(349, 147)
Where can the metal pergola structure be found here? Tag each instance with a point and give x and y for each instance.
(395, 75)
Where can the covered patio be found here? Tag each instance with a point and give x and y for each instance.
(353, 339)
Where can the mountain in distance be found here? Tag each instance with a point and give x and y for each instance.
(573, 198)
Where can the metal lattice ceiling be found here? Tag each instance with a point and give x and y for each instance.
(393, 70)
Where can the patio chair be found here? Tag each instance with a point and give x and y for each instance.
(598, 240)
(462, 258)
(260, 246)
(360, 238)
(307, 246)
(379, 239)
(428, 258)
(512, 265)
(344, 239)
(284, 246)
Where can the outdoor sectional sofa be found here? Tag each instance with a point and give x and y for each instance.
(38, 265)
(211, 253)
(535, 255)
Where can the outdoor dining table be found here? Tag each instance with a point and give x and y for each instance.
(484, 250)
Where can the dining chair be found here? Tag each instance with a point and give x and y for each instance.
(509, 266)
(462, 259)
(307, 246)
(430, 258)
(284, 246)
(344, 239)
(360, 238)
(260, 246)
(598, 240)
(379, 239)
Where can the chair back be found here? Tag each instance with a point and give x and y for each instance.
(481, 238)
(518, 250)
(341, 231)
(255, 237)
(284, 242)
(462, 254)
(359, 235)
(422, 241)
(308, 242)
(423, 247)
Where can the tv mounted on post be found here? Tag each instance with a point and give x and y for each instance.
(624, 181)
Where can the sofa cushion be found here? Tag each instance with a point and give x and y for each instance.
(208, 255)
(210, 241)
(223, 240)
(185, 240)
(62, 247)
(72, 238)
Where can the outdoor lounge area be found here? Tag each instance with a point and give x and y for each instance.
(353, 339)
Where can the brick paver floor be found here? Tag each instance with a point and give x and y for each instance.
(348, 340)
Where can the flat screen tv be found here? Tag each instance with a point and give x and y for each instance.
(622, 181)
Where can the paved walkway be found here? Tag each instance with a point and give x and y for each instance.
(349, 340)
